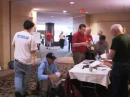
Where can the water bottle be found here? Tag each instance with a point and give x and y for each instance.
(97, 57)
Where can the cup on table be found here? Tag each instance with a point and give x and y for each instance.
(90, 68)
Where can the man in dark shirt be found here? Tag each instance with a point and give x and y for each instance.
(70, 41)
(120, 55)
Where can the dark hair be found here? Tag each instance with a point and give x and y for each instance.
(81, 26)
(102, 37)
(28, 24)
(51, 56)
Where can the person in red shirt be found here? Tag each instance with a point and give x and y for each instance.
(48, 39)
(79, 44)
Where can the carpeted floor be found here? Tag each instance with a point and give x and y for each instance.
(7, 83)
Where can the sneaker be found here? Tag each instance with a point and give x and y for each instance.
(17, 94)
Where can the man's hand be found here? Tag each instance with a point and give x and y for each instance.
(85, 44)
(53, 77)
(107, 63)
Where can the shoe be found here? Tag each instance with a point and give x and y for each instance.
(25, 94)
(17, 94)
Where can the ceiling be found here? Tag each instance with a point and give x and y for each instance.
(91, 6)
(51, 10)
(59, 19)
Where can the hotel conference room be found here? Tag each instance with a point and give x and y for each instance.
(64, 48)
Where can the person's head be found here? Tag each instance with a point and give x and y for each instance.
(50, 58)
(100, 33)
(62, 32)
(29, 26)
(116, 29)
(88, 31)
(82, 28)
(102, 38)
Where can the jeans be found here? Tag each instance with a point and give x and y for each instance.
(22, 75)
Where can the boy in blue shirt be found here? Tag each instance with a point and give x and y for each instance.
(47, 74)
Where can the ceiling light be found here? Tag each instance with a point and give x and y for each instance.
(36, 9)
(72, 2)
(64, 11)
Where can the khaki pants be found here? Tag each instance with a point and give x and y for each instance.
(45, 85)
(78, 57)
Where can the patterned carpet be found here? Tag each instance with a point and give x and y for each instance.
(7, 83)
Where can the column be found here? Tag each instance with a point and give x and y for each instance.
(4, 34)
(50, 28)
(1, 34)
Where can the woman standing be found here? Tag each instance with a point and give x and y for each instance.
(62, 39)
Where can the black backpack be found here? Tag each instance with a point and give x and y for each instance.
(90, 55)
(11, 64)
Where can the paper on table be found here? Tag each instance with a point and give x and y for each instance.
(104, 56)
(103, 68)
(95, 63)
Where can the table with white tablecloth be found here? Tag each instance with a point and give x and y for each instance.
(98, 75)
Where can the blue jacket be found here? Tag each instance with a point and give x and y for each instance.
(42, 67)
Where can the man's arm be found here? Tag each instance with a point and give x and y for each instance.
(41, 75)
(111, 54)
(13, 42)
(113, 49)
(76, 44)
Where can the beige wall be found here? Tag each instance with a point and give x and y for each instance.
(77, 21)
(104, 21)
(4, 30)
(19, 14)
(1, 34)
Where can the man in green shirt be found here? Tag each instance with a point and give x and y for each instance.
(120, 55)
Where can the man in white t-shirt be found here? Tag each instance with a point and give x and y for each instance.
(24, 55)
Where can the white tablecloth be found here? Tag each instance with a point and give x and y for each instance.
(98, 76)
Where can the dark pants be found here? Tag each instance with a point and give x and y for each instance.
(120, 76)
(78, 57)
(70, 46)
(62, 43)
